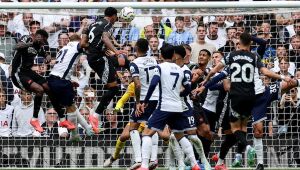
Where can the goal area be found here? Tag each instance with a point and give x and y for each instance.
(278, 23)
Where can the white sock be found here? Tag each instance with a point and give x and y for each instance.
(220, 161)
(82, 121)
(146, 149)
(199, 148)
(258, 146)
(136, 144)
(172, 163)
(154, 147)
(73, 118)
(188, 150)
(177, 150)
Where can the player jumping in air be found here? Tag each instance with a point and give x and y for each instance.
(26, 79)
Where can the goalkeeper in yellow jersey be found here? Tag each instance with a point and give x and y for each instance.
(125, 134)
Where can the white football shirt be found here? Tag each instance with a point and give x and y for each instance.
(143, 67)
(171, 80)
(66, 58)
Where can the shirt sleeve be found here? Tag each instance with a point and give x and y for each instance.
(187, 77)
(155, 80)
(134, 70)
(191, 38)
(225, 60)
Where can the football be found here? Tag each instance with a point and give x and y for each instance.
(127, 14)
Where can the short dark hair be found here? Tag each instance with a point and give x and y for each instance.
(230, 28)
(34, 23)
(241, 24)
(205, 50)
(110, 11)
(180, 50)
(167, 51)
(179, 18)
(42, 33)
(142, 45)
(245, 39)
(201, 24)
(212, 23)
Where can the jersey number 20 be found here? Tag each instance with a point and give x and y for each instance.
(246, 68)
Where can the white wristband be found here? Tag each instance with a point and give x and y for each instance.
(282, 77)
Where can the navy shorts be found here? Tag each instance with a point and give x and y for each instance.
(145, 116)
(62, 90)
(190, 121)
(263, 101)
(159, 119)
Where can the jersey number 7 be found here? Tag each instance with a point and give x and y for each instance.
(176, 79)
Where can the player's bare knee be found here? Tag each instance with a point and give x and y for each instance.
(179, 135)
(191, 132)
(164, 136)
(148, 132)
(133, 126)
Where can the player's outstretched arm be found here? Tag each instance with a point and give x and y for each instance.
(213, 71)
(84, 42)
(216, 79)
(187, 90)
(273, 75)
(107, 41)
